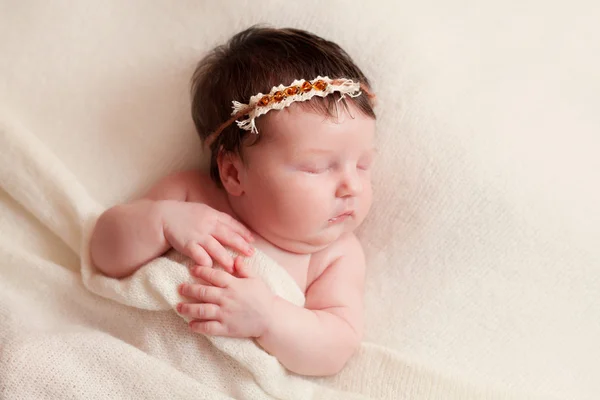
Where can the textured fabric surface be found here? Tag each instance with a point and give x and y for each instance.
(482, 245)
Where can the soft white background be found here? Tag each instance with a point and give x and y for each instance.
(484, 240)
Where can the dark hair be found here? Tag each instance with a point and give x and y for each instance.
(254, 61)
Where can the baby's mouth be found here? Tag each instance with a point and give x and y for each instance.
(342, 217)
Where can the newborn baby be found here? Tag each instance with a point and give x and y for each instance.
(289, 176)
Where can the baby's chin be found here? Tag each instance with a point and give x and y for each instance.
(308, 244)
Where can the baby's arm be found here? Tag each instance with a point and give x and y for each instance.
(320, 338)
(170, 215)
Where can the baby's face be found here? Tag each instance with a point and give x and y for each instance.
(308, 180)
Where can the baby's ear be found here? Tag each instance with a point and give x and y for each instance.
(230, 167)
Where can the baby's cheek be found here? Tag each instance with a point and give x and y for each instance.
(304, 206)
(306, 192)
(368, 195)
(365, 202)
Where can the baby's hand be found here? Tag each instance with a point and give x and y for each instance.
(234, 306)
(200, 232)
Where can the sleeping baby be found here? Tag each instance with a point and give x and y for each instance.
(289, 176)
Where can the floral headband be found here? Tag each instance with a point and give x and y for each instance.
(282, 96)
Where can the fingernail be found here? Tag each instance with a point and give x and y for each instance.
(182, 288)
(250, 251)
(179, 307)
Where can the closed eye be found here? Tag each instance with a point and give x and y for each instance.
(366, 162)
(316, 171)
(364, 165)
(315, 167)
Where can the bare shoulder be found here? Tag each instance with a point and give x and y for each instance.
(339, 286)
(346, 248)
(338, 270)
(191, 186)
(347, 244)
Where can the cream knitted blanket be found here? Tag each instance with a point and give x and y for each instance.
(71, 335)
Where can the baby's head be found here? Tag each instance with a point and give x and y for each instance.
(304, 179)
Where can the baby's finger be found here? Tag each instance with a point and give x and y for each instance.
(236, 225)
(232, 239)
(205, 311)
(215, 277)
(211, 328)
(202, 293)
(241, 270)
(218, 253)
(198, 254)
(198, 280)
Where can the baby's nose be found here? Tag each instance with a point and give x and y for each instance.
(350, 185)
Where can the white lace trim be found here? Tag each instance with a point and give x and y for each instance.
(343, 86)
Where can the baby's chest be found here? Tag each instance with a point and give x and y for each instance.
(299, 275)
(296, 265)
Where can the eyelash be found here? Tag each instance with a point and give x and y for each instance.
(316, 171)
(364, 165)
